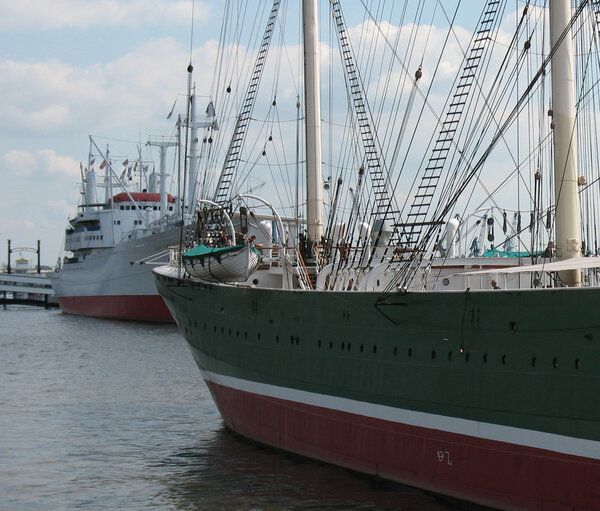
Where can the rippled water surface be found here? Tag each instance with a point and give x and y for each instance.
(98, 414)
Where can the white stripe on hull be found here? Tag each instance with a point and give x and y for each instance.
(512, 435)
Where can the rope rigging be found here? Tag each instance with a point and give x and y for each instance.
(408, 270)
(382, 129)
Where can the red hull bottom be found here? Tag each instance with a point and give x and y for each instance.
(490, 473)
(128, 307)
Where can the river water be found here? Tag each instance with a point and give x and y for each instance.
(98, 414)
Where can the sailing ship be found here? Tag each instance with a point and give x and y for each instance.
(112, 243)
(378, 343)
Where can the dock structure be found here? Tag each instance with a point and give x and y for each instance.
(26, 289)
(23, 285)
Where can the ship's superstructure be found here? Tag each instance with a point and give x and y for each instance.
(124, 226)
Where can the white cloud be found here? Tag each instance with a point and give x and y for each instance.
(50, 116)
(44, 161)
(16, 225)
(44, 15)
(59, 208)
(20, 163)
(55, 164)
(43, 97)
(53, 98)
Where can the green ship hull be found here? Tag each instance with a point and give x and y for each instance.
(488, 396)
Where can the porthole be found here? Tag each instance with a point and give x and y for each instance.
(467, 356)
(410, 352)
(485, 358)
(433, 354)
(361, 348)
(533, 361)
(330, 345)
(374, 349)
(504, 359)
(319, 343)
(555, 363)
(577, 364)
(343, 346)
(395, 350)
(349, 346)
(446, 282)
(449, 355)
(258, 336)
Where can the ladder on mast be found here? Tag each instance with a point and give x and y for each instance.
(232, 157)
(379, 180)
(410, 232)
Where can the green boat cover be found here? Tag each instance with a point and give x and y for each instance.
(501, 253)
(202, 250)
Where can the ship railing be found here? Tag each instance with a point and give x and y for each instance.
(293, 261)
(319, 258)
(303, 277)
(342, 253)
(174, 256)
(546, 274)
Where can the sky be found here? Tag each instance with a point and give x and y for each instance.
(73, 68)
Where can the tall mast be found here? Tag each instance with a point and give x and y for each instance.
(194, 155)
(565, 142)
(312, 101)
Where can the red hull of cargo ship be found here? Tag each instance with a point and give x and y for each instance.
(126, 307)
(491, 473)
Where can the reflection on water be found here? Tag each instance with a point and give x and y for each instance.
(98, 414)
(230, 473)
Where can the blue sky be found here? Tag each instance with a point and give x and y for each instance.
(69, 68)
